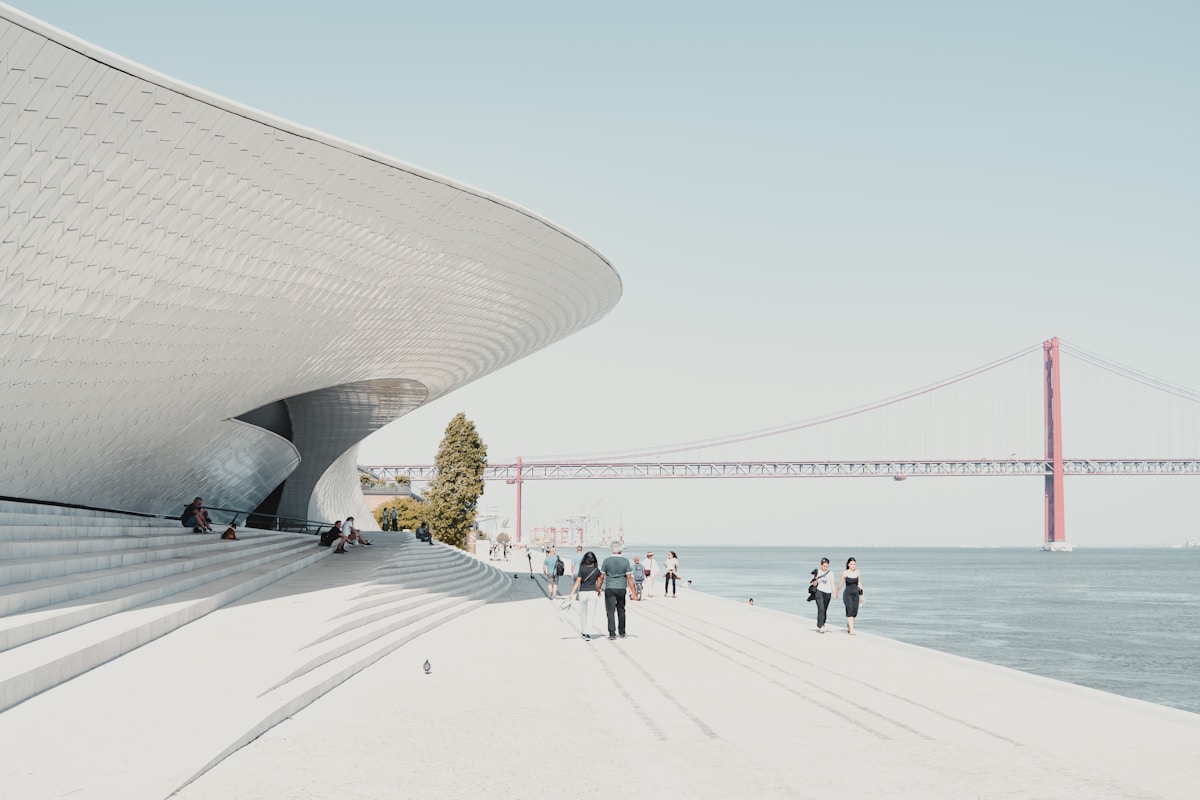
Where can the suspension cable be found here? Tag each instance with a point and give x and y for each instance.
(1131, 374)
(738, 438)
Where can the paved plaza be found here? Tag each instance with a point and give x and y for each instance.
(706, 698)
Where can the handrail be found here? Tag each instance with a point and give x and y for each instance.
(271, 522)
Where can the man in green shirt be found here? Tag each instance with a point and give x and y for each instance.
(616, 575)
(550, 570)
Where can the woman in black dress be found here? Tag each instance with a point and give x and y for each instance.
(852, 589)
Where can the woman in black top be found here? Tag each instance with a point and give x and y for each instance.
(852, 591)
(585, 590)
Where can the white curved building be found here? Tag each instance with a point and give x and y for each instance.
(198, 298)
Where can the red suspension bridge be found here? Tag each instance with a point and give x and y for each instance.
(1051, 465)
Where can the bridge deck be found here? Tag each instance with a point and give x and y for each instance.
(895, 468)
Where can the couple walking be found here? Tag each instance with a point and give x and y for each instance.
(608, 580)
(849, 586)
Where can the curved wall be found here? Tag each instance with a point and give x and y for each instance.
(170, 261)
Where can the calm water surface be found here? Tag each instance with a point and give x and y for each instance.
(1125, 621)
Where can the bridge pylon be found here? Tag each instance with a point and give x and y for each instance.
(1056, 525)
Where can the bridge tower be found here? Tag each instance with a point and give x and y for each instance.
(1056, 526)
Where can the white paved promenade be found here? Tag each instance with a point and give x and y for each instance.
(705, 699)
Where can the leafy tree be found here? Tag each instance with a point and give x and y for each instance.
(454, 491)
(502, 538)
(409, 512)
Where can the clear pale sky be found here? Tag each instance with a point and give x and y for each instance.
(811, 205)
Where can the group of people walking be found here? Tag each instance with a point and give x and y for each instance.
(616, 579)
(650, 570)
(823, 591)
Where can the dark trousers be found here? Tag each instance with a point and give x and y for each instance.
(614, 603)
(822, 602)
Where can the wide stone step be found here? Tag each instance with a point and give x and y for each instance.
(29, 595)
(49, 661)
(53, 559)
(55, 547)
(21, 628)
(372, 610)
(35, 526)
(25, 510)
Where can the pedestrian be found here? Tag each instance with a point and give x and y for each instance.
(853, 594)
(353, 534)
(671, 567)
(651, 568)
(550, 570)
(587, 589)
(195, 516)
(823, 581)
(616, 574)
(334, 534)
(576, 560)
(395, 519)
(639, 577)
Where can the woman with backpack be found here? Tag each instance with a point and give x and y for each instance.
(639, 577)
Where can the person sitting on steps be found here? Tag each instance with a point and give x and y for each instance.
(353, 535)
(334, 534)
(195, 517)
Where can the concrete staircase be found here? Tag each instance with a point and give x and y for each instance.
(80, 588)
(413, 589)
(266, 638)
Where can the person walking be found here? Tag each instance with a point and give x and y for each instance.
(852, 596)
(639, 578)
(823, 580)
(671, 567)
(616, 575)
(550, 570)
(651, 568)
(587, 589)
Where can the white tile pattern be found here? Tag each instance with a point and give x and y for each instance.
(170, 260)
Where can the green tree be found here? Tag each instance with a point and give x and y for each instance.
(454, 491)
(409, 512)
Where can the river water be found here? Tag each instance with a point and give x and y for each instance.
(1125, 621)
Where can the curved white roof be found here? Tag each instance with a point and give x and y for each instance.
(171, 261)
